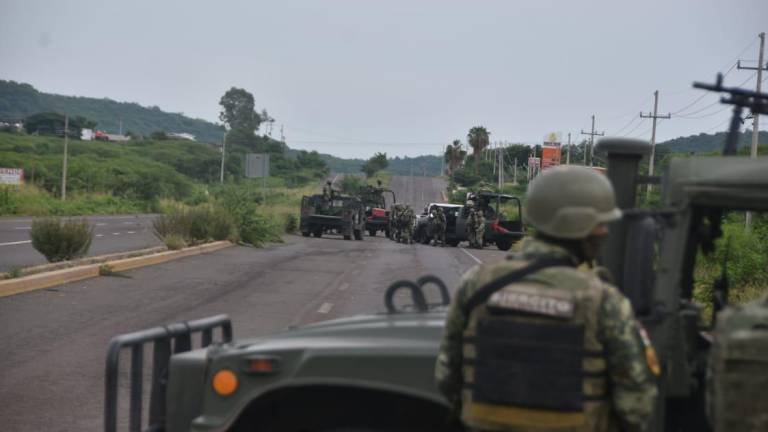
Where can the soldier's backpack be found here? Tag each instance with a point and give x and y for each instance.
(738, 369)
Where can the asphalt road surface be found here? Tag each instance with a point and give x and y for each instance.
(52, 366)
(111, 234)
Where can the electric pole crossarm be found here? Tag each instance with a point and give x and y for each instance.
(740, 67)
(660, 116)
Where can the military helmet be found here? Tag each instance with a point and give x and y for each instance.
(568, 202)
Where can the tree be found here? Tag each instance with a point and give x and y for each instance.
(478, 139)
(454, 156)
(375, 164)
(237, 112)
(52, 123)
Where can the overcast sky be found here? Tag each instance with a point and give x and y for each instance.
(406, 77)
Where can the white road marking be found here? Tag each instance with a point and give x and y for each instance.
(22, 228)
(131, 232)
(344, 286)
(128, 223)
(117, 233)
(325, 308)
(100, 224)
(16, 243)
(99, 235)
(471, 256)
(334, 179)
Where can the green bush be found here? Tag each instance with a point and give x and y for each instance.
(61, 240)
(181, 226)
(291, 223)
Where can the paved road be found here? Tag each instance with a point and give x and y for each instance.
(51, 370)
(418, 191)
(112, 234)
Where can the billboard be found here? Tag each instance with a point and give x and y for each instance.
(550, 155)
(11, 176)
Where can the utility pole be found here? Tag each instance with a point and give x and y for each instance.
(64, 162)
(223, 151)
(514, 174)
(591, 143)
(653, 116)
(120, 125)
(568, 154)
(500, 152)
(756, 117)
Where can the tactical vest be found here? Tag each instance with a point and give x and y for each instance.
(738, 374)
(533, 358)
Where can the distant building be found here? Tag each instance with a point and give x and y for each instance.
(181, 135)
(117, 138)
(87, 134)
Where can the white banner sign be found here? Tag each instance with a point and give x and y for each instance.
(11, 176)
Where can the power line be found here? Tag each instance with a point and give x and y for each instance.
(635, 128)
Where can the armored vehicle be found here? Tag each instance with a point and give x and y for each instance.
(376, 371)
(499, 228)
(376, 213)
(456, 226)
(332, 213)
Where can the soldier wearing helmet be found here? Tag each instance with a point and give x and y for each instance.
(540, 341)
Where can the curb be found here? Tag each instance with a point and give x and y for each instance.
(38, 281)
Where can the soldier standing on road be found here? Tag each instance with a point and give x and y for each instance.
(394, 223)
(540, 341)
(408, 220)
(475, 226)
(439, 227)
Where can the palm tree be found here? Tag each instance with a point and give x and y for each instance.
(454, 156)
(478, 139)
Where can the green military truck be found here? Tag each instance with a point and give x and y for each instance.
(332, 213)
(375, 372)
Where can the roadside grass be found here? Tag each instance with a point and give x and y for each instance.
(30, 200)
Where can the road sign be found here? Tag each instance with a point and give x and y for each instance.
(257, 165)
(11, 176)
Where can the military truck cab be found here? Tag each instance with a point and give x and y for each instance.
(336, 213)
(455, 229)
(364, 373)
(376, 213)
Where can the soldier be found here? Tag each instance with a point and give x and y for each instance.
(539, 341)
(394, 222)
(407, 222)
(438, 230)
(475, 226)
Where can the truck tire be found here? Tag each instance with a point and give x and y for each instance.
(305, 233)
(317, 232)
(503, 244)
(372, 232)
(347, 237)
(359, 234)
(453, 243)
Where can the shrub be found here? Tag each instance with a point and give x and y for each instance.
(181, 226)
(61, 240)
(291, 223)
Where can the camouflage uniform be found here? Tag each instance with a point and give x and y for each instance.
(540, 341)
(476, 228)
(394, 222)
(632, 387)
(407, 220)
(438, 227)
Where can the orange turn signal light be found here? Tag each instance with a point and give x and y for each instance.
(224, 382)
(262, 364)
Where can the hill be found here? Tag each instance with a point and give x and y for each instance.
(706, 143)
(420, 165)
(18, 100)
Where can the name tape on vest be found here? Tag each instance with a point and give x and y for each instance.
(533, 303)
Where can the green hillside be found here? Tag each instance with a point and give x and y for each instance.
(706, 143)
(18, 100)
